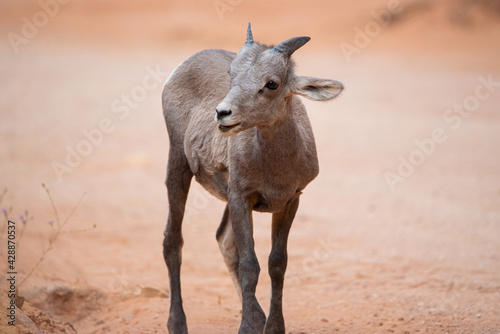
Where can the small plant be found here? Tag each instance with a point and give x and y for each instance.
(24, 218)
(58, 228)
(56, 224)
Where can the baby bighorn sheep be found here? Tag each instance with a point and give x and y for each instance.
(258, 154)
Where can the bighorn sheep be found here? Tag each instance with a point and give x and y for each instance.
(258, 154)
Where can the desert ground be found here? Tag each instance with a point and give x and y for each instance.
(399, 233)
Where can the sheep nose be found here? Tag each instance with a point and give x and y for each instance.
(222, 113)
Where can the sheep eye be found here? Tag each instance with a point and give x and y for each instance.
(272, 85)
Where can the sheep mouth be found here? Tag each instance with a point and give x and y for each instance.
(226, 128)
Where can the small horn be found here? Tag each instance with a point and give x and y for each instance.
(249, 35)
(291, 45)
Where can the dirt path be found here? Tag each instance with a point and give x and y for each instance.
(399, 233)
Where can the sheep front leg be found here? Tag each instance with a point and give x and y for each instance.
(178, 181)
(253, 318)
(277, 263)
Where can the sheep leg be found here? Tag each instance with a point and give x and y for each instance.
(253, 318)
(178, 181)
(227, 245)
(277, 263)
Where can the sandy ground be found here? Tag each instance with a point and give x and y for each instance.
(400, 233)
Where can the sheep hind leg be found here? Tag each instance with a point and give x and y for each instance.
(227, 245)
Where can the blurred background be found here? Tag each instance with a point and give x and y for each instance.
(399, 233)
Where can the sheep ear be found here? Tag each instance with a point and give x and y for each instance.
(291, 45)
(316, 89)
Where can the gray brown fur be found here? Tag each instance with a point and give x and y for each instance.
(249, 143)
